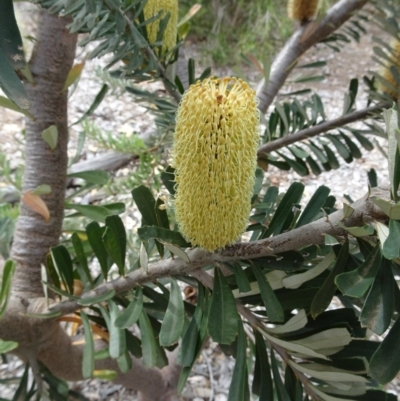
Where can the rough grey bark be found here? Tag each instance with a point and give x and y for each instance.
(51, 61)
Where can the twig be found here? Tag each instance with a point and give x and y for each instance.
(312, 233)
(304, 38)
(320, 128)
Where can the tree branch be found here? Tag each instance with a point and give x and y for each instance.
(320, 128)
(304, 38)
(364, 211)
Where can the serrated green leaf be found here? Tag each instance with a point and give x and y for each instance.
(88, 350)
(273, 307)
(379, 305)
(385, 362)
(131, 314)
(97, 177)
(172, 325)
(223, 321)
(356, 282)
(325, 294)
(50, 136)
(239, 388)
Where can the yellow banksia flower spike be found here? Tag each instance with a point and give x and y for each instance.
(302, 10)
(394, 89)
(152, 8)
(215, 155)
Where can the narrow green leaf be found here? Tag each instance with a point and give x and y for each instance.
(43, 189)
(379, 305)
(50, 136)
(241, 278)
(88, 350)
(11, 84)
(8, 272)
(385, 362)
(391, 247)
(116, 242)
(7, 346)
(95, 233)
(105, 374)
(172, 325)
(9, 104)
(191, 71)
(96, 213)
(262, 382)
(341, 149)
(176, 251)
(168, 179)
(223, 321)
(93, 176)
(354, 149)
(356, 282)
(117, 344)
(73, 75)
(279, 386)
(149, 342)
(96, 102)
(292, 197)
(325, 294)
(131, 314)
(314, 206)
(273, 307)
(173, 237)
(239, 388)
(389, 208)
(162, 216)
(63, 262)
(82, 267)
(124, 361)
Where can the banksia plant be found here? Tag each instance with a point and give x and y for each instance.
(302, 10)
(152, 8)
(391, 86)
(214, 156)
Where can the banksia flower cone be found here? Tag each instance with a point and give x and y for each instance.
(152, 8)
(302, 10)
(394, 89)
(214, 155)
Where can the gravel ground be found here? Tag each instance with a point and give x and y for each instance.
(210, 378)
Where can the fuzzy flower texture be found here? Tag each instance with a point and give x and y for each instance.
(215, 156)
(389, 83)
(302, 10)
(152, 8)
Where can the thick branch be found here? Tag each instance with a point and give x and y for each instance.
(51, 61)
(304, 38)
(321, 128)
(313, 233)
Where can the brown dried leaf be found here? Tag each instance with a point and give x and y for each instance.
(36, 203)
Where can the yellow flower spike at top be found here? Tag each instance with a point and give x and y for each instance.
(152, 8)
(387, 74)
(302, 10)
(215, 155)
